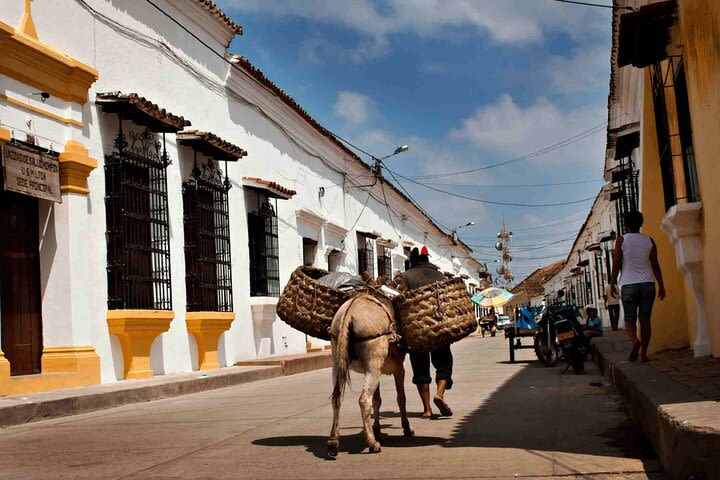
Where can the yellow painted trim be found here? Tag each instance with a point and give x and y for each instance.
(207, 327)
(5, 136)
(27, 26)
(40, 111)
(75, 167)
(31, 62)
(62, 367)
(136, 330)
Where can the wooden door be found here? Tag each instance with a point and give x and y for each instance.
(20, 307)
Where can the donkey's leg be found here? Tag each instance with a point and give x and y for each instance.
(372, 381)
(377, 402)
(333, 444)
(400, 387)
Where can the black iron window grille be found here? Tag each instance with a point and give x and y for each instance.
(674, 131)
(384, 260)
(264, 252)
(138, 234)
(208, 278)
(366, 255)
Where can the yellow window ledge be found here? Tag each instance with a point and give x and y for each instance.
(62, 367)
(136, 330)
(32, 62)
(207, 327)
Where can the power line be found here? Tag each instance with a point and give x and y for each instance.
(513, 186)
(556, 146)
(491, 202)
(600, 5)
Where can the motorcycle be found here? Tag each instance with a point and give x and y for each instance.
(570, 337)
(545, 342)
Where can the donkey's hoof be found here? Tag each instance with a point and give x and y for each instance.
(375, 447)
(408, 431)
(376, 431)
(333, 446)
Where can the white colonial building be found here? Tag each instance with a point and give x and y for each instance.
(158, 192)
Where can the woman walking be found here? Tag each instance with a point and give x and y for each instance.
(636, 257)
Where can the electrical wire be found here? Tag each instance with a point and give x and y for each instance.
(513, 186)
(492, 202)
(599, 5)
(576, 138)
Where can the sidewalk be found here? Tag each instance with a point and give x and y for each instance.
(675, 398)
(19, 409)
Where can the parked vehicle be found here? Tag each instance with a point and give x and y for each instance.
(569, 334)
(547, 348)
(503, 322)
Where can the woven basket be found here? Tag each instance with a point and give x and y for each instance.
(435, 315)
(308, 305)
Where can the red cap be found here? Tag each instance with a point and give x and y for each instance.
(424, 251)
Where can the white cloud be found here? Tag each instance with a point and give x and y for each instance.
(316, 48)
(511, 130)
(510, 22)
(586, 69)
(354, 108)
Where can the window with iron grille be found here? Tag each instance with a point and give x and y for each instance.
(264, 255)
(138, 234)
(599, 275)
(366, 255)
(384, 260)
(208, 278)
(674, 131)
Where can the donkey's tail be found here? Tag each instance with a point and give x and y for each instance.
(340, 331)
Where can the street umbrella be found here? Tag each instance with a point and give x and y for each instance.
(492, 297)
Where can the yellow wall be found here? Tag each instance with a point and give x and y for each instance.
(670, 316)
(699, 23)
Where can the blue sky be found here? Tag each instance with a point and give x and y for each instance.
(466, 83)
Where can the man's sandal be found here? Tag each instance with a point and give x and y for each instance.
(445, 410)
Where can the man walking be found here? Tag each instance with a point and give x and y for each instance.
(636, 256)
(422, 272)
(612, 304)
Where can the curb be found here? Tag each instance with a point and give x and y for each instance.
(21, 409)
(672, 416)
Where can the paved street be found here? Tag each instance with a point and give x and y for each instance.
(511, 421)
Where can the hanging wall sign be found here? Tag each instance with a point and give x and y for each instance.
(31, 172)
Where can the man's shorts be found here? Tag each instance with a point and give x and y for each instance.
(442, 360)
(637, 300)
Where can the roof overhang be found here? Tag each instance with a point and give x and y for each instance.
(141, 110)
(268, 188)
(211, 145)
(646, 34)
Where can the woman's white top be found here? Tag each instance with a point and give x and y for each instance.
(636, 268)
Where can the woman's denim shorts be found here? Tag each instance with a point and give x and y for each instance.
(637, 300)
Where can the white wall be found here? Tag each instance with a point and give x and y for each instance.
(227, 102)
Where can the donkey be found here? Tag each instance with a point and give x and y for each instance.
(363, 340)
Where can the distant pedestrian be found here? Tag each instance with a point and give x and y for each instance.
(612, 304)
(636, 257)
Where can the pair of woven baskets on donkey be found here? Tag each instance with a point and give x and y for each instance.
(429, 317)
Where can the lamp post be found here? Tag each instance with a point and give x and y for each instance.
(453, 232)
(377, 168)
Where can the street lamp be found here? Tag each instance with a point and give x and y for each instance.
(376, 169)
(453, 232)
